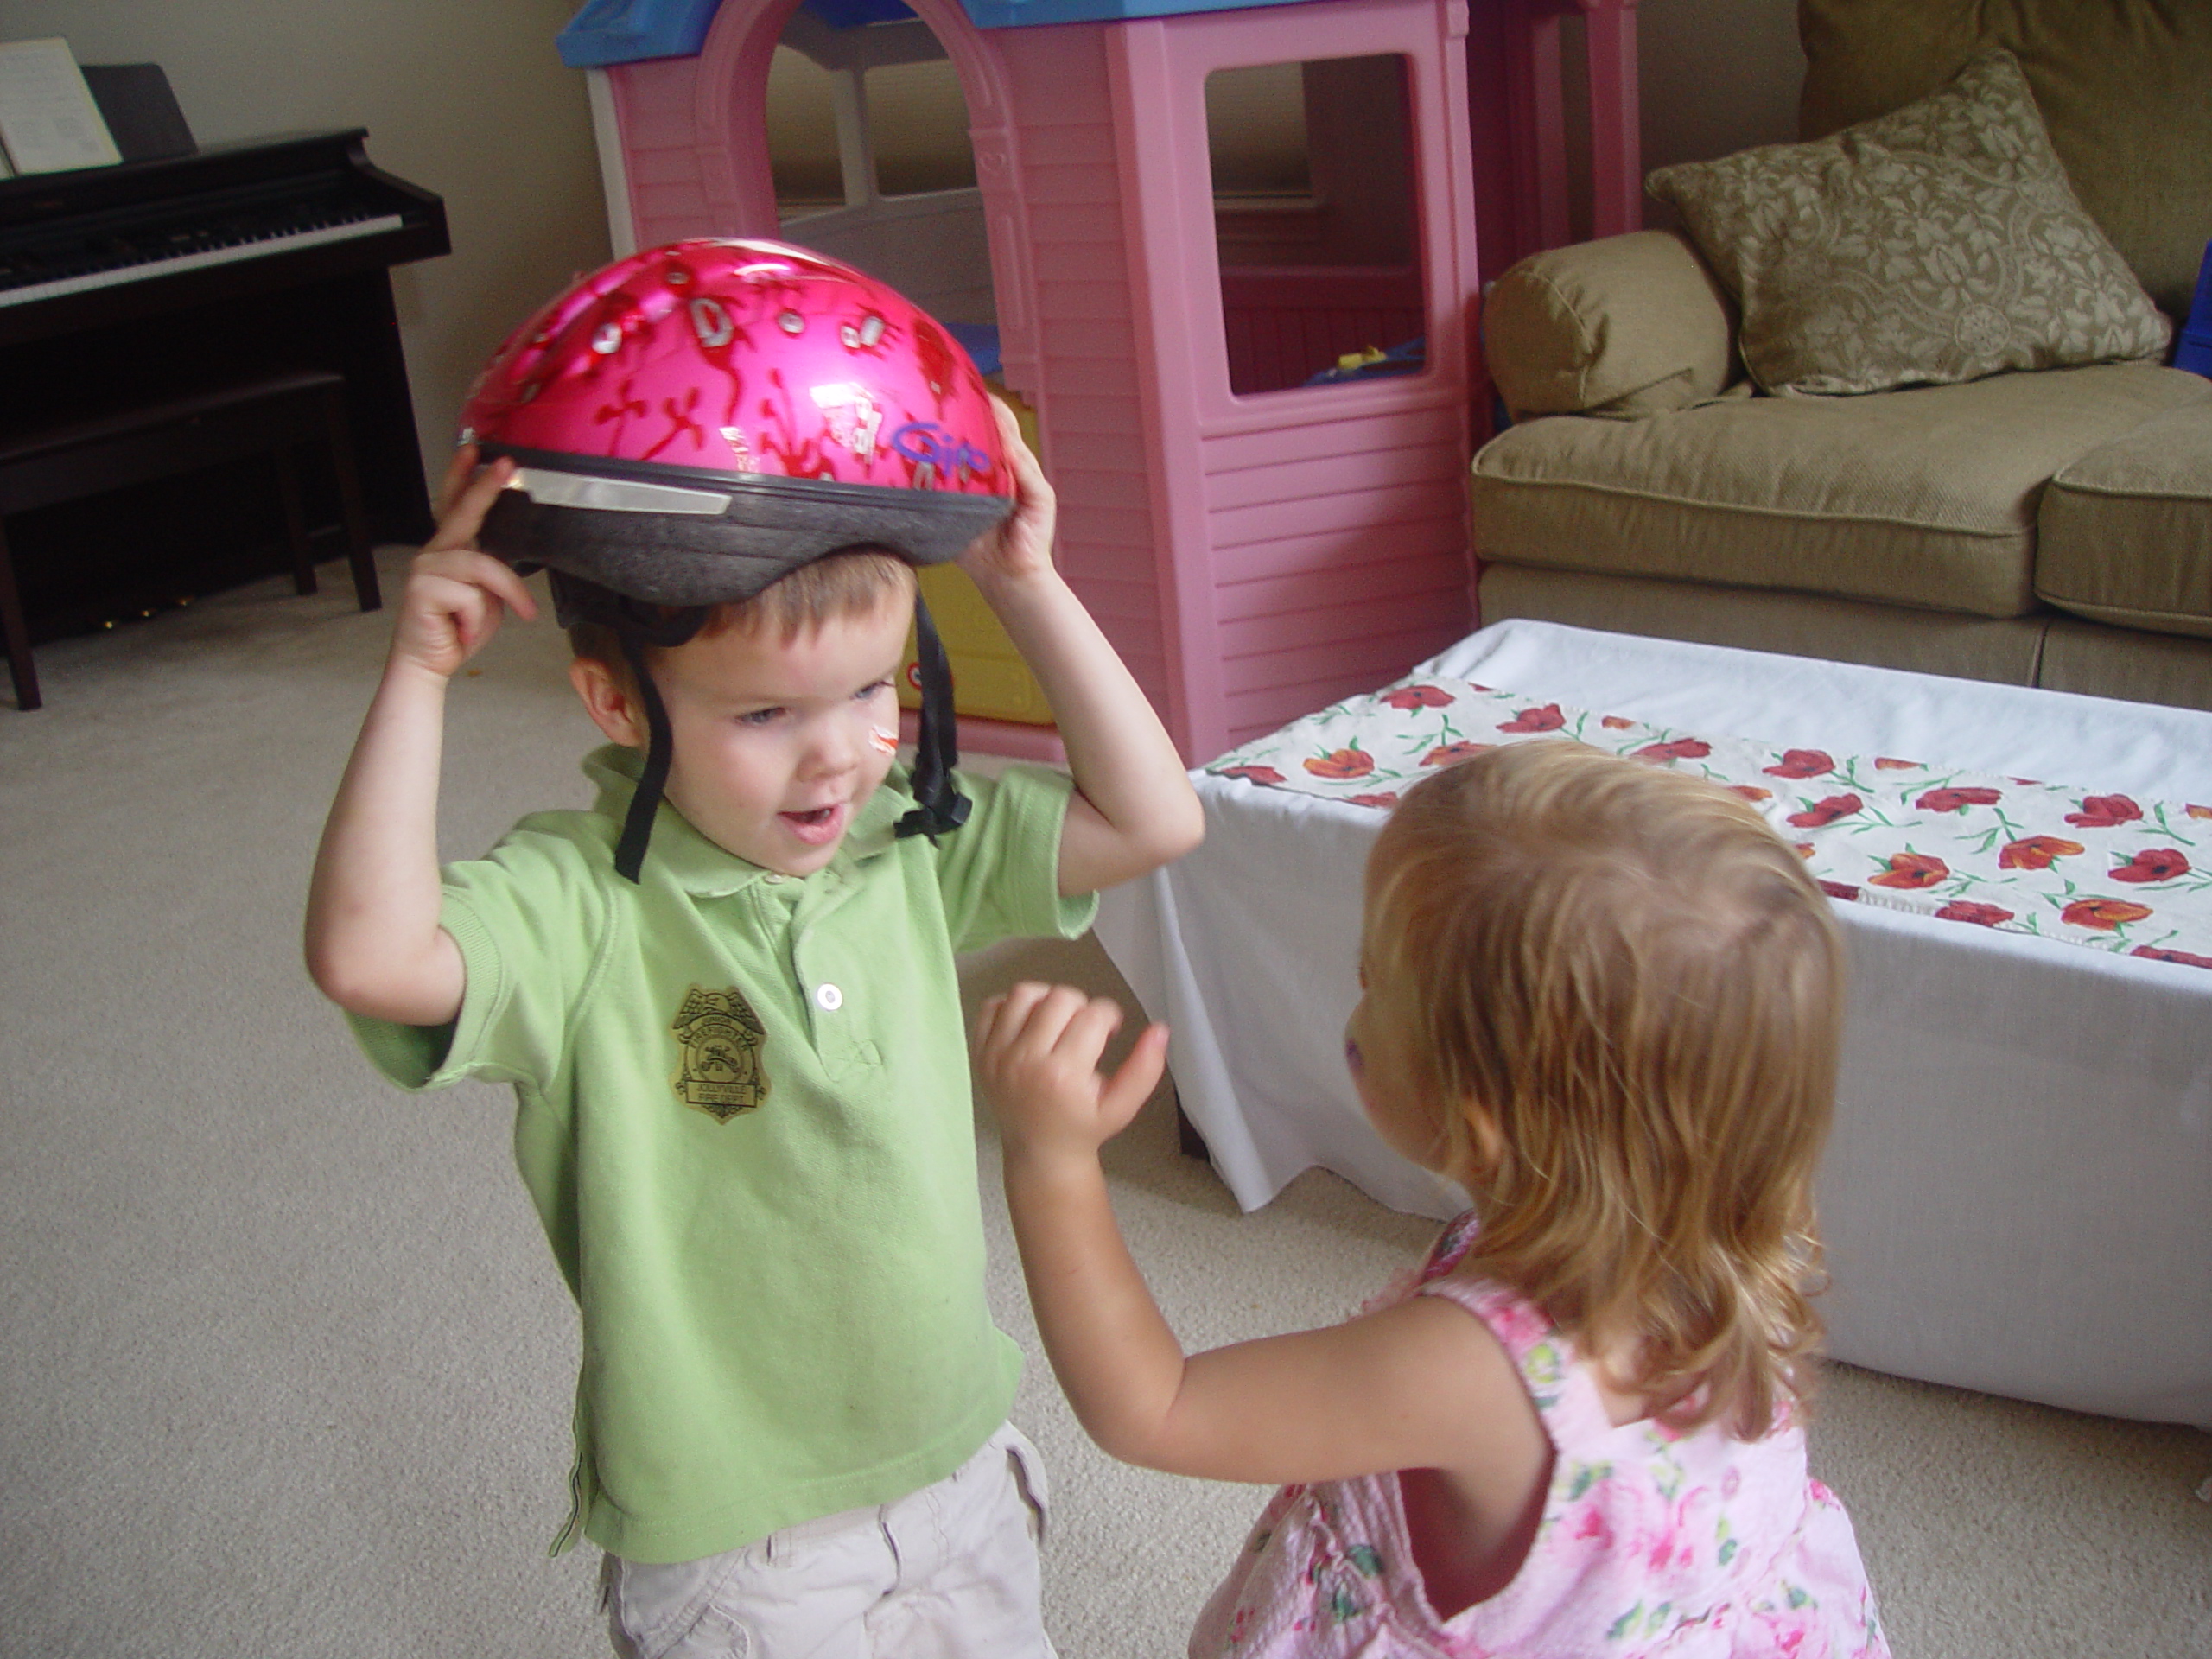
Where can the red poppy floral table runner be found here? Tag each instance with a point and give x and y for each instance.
(2107, 871)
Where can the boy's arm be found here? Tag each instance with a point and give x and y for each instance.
(374, 942)
(1416, 1385)
(1133, 808)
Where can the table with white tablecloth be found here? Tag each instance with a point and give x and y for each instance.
(2016, 1196)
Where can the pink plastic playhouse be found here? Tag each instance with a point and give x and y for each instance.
(1257, 412)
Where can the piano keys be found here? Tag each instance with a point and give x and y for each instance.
(63, 234)
(190, 246)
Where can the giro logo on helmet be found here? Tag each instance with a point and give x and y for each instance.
(927, 444)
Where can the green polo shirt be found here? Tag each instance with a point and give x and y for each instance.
(744, 1115)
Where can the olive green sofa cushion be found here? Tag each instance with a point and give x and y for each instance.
(1920, 498)
(2125, 534)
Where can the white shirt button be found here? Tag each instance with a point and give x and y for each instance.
(828, 998)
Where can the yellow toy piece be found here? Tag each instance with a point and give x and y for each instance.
(989, 679)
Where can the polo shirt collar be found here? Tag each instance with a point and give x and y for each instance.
(708, 871)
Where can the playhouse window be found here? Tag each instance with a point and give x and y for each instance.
(1314, 221)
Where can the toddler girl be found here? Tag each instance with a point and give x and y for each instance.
(1606, 999)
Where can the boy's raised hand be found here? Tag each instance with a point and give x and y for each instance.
(1022, 545)
(456, 593)
(1037, 1050)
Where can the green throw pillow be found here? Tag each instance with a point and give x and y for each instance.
(1939, 243)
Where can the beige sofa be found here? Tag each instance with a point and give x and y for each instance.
(2047, 527)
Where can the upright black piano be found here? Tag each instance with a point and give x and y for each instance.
(156, 278)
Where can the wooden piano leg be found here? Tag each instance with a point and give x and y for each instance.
(360, 557)
(15, 633)
(295, 521)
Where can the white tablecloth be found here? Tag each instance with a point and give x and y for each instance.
(2018, 1193)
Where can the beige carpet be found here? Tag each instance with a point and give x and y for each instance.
(286, 1365)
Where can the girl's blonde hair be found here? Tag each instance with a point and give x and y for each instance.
(853, 582)
(1630, 995)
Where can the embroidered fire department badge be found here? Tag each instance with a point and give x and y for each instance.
(722, 1038)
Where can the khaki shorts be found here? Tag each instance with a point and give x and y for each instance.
(943, 1573)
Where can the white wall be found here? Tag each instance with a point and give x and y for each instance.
(465, 98)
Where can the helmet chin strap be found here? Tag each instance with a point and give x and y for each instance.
(636, 626)
(645, 805)
(939, 806)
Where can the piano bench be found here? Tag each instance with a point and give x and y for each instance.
(273, 416)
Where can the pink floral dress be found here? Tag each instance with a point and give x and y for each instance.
(1651, 1543)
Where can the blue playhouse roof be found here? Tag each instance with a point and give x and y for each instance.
(624, 31)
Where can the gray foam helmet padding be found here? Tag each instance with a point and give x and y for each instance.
(682, 559)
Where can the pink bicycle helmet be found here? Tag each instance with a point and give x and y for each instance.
(693, 422)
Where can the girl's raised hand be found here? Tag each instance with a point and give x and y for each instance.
(1037, 1050)
(456, 593)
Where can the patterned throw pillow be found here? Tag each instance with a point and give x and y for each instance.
(1939, 243)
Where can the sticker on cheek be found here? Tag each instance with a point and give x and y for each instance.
(886, 742)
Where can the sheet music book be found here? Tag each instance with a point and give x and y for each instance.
(48, 122)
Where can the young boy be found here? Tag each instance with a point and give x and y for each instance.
(744, 1107)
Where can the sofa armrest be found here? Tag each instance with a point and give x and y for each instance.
(1625, 326)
